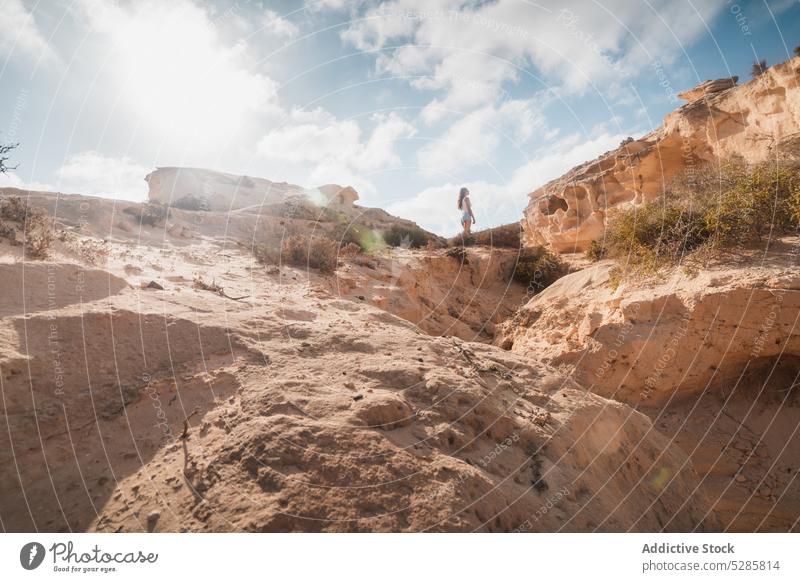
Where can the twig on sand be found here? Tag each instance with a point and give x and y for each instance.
(185, 433)
(469, 356)
(215, 288)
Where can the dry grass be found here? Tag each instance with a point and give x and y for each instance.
(506, 236)
(458, 253)
(316, 252)
(399, 235)
(714, 209)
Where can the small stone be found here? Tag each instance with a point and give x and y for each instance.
(154, 285)
(740, 478)
(152, 520)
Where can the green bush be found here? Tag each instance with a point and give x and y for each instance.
(537, 268)
(399, 235)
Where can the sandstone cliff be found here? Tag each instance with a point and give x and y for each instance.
(711, 357)
(756, 121)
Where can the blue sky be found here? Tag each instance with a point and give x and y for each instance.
(405, 100)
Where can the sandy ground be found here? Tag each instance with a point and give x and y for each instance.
(297, 407)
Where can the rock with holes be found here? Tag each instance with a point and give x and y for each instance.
(754, 121)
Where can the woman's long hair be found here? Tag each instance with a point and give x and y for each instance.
(461, 195)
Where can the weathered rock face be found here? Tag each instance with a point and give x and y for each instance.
(658, 342)
(708, 88)
(756, 121)
(221, 191)
(442, 295)
(711, 358)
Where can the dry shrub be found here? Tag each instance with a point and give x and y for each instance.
(412, 236)
(537, 268)
(352, 233)
(654, 234)
(507, 236)
(350, 250)
(192, 203)
(458, 253)
(715, 208)
(353, 253)
(596, 251)
(93, 252)
(316, 252)
(19, 221)
(148, 214)
(267, 254)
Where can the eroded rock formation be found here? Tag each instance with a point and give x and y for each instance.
(221, 191)
(712, 358)
(757, 120)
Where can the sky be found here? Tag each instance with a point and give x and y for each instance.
(405, 100)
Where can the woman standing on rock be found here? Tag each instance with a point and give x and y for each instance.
(465, 206)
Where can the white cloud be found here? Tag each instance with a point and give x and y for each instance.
(274, 24)
(575, 44)
(13, 180)
(320, 5)
(95, 174)
(176, 72)
(435, 208)
(561, 157)
(20, 34)
(501, 203)
(334, 150)
(474, 139)
(311, 137)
